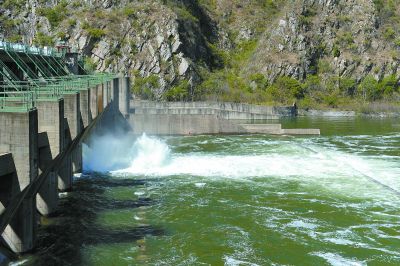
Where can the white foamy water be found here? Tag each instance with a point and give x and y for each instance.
(108, 153)
(330, 169)
(337, 260)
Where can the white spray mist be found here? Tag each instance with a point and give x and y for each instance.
(111, 152)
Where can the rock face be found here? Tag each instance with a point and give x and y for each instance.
(343, 35)
(178, 40)
(140, 38)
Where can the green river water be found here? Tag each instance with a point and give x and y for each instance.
(332, 199)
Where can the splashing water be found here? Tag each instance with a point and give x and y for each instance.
(148, 153)
(312, 165)
(110, 153)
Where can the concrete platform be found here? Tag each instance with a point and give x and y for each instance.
(276, 129)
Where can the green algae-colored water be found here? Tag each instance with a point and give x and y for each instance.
(235, 200)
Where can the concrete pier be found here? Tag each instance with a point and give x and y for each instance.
(51, 143)
(72, 128)
(19, 136)
(100, 92)
(105, 94)
(93, 103)
(85, 107)
(124, 96)
(115, 92)
(9, 185)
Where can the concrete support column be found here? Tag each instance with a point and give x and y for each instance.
(51, 143)
(20, 234)
(110, 91)
(65, 173)
(85, 108)
(72, 129)
(105, 94)
(100, 96)
(19, 136)
(93, 103)
(124, 96)
(115, 93)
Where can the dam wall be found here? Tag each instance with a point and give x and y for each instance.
(224, 110)
(41, 149)
(195, 118)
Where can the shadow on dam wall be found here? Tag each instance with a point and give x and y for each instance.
(112, 123)
(74, 225)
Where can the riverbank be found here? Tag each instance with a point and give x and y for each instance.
(344, 113)
(352, 109)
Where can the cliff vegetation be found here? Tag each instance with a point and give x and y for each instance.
(320, 54)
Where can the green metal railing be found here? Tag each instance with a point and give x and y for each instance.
(22, 95)
(46, 74)
(16, 101)
(22, 48)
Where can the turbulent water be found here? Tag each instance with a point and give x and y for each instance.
(234, 200)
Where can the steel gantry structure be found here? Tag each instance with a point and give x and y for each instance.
(29, 74)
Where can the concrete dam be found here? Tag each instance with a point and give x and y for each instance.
(193, 118)
(49, 106)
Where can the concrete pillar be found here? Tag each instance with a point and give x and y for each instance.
(124, 96)
(85, 108)
(105, 94)
(109, 91)
(19, 136)
(51, 143)
(65, 173)
(9, 185)
(73, 128)
(72, 113)
(20, 234)
(93, 103)
(100, 95)
(115, 92)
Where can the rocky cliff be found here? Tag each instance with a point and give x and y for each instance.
(191, 48)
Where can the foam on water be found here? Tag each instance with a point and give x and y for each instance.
(337, 260)
(311, 163)
(229, 261)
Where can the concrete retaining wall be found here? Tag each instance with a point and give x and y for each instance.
(234, 111)
(181, 124)
(182, 118)
(185, 118)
